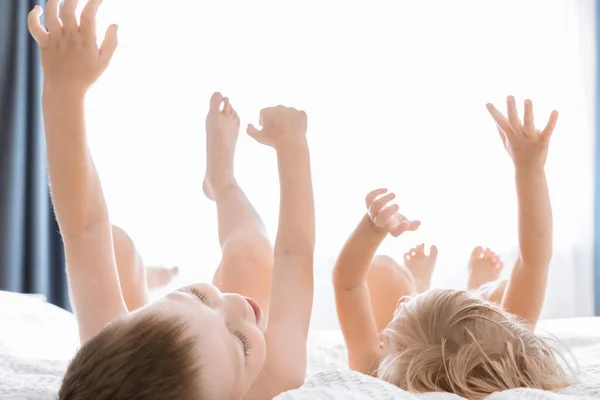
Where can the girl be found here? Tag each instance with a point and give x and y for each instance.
(450, 340)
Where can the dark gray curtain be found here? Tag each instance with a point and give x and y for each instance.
(31, 252)
(597, 177)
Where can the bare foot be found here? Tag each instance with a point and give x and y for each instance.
(485, 266)
(158, 277)
(421, 266)
(222, 130)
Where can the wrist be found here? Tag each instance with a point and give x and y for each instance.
(529, 169)
(292, 144)
(369, 224)
(63, 93)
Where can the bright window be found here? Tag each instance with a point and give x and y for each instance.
(395, 93)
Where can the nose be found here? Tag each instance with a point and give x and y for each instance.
(235, 307)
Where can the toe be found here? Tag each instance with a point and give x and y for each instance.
(433, 251)
(477, 253)
(215, 101)
(489, 255)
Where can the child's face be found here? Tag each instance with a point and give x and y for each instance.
(229, 330)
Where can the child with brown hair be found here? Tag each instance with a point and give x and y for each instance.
(452, 340)
(202, 341)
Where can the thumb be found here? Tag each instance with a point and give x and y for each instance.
(109, 45)
(433, 251)
(253, 131)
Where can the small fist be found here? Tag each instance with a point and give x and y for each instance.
(526, 145)
(71, 58)
(280, 125)
(385, 217)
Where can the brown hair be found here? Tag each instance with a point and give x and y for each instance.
(452, 341)
(145, 358)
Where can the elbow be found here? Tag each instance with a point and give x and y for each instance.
(343, 281)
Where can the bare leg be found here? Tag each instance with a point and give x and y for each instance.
(247, 261)
(484, 272)
(132, 274)
(388, 282)
(493, 291)
(158, 277)
(135, 278)
(421, 265)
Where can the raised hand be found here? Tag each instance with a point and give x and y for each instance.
(526, 145)
(71, 58)
(385, 217)
(280, 125)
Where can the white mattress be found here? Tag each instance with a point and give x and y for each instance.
(37, 340)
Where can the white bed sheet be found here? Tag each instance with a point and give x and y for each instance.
(38, 339)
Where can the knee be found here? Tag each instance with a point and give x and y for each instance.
(121, 240)
(248, 255)
(126, 256)
(383, 269)
(385, 273)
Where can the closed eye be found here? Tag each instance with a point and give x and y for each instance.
(245, 342)
(191, 290)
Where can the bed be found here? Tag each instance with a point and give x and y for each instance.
(38, 339)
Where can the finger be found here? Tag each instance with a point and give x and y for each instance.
(215, 101)
(384, 215)
(38, 32)
(500, 119)
(378, 204)
(502, 135)
(67, 15)
(227, 109)
(399, 229)
(370, 198)
(407, 256)
(477, 253)
(109, 45)
(421, 248)
(547, 132)
(264, 115)
(252, 131)
(87, 23)
(528, 117)
(414, 225)
(433, 251)
(52, 22)
(513, 114)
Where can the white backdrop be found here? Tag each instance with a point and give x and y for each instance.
(395, 93)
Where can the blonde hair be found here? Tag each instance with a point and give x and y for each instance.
(452, 341)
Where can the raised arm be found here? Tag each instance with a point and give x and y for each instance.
(284, 129)
(528, 148)
(72, 62)
(352, 298)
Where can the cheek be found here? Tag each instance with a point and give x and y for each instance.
(259, 348)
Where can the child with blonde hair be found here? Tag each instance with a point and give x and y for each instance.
(245, 335)
(452, 340)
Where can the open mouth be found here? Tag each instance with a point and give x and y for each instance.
(256, 308)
